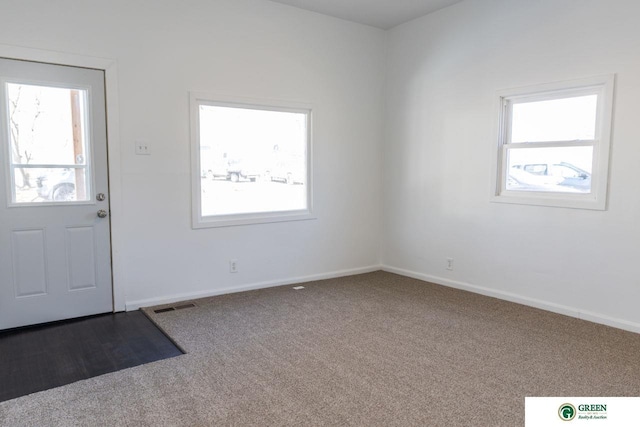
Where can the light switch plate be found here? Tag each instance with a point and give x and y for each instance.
(143, 148)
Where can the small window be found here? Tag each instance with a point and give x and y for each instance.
(48, 134)
(251, 162)
(554, 144)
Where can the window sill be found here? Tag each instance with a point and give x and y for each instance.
(250, 219)
(586, 201)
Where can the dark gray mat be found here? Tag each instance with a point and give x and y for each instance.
(47, 356)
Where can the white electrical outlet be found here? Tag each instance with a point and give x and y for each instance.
(233, 266)
(143, 148)
(449, 263)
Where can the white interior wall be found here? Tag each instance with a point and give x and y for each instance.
(443, 74)
(251, 48)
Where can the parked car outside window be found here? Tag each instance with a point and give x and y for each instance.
(58, 185)
(552, 174)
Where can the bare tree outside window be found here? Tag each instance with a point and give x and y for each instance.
(22, 122)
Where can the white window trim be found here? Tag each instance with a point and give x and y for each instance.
(198, 221)
(597, 199)
(87, 137)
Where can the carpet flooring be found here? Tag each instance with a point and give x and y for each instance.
(366, 350)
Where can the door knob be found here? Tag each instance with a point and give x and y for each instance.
(102, 213)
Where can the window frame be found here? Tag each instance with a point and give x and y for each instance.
(87, 137)
(196, 99)
(603, 87)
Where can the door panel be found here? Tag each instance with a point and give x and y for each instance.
(81, 258)
(54, 250)
(29, 266)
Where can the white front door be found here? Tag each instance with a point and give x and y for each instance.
(55, 256)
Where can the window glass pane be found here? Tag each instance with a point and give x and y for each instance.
(48, 144)
(252, 160)
(566, 119)
(49, 185)
(558, 169)
(42, 122)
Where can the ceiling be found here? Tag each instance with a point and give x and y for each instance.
(383, 14)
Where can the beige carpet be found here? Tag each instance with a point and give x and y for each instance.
(372, 349)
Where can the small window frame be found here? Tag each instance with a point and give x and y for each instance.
(603, 87)
(196, 99)
(87, 137)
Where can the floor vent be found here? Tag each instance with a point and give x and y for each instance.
(175, 307)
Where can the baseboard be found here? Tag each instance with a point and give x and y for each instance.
(519, 299)
(134, 305)
(507, 296)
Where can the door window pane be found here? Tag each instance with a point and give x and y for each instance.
(49, 184)
(48, 144)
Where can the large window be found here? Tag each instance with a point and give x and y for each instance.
(251, 161)
(554, 144)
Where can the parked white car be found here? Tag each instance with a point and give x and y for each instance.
(58, 184)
